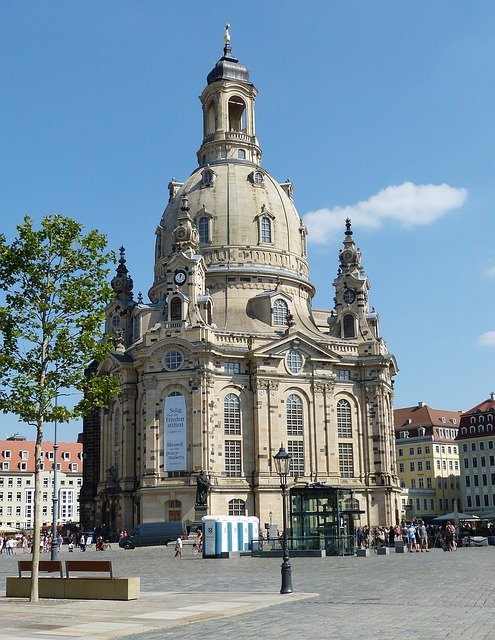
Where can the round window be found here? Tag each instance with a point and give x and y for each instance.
(294, 361)
(172, 360)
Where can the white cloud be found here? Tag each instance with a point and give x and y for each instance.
(490, 272)
(487, 339)
(407, 204)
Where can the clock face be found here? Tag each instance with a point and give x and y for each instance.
(347, 256)
(349, 296)
(180, 276)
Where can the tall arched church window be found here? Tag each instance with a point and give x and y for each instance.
(204, 230)
(280, 311)
(344, 419)
(265, 229)
(176, 308)
(237, 507)
(232, 415)
(294, 409)
(349, 326)
(237, 114)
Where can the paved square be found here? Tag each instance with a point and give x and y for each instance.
(436, 595)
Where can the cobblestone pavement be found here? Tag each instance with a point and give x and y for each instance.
(436, 595)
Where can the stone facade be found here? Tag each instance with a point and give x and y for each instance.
(230, 343)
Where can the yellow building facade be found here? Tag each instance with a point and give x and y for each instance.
(427, 460)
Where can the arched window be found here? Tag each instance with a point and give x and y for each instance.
(348, 326)
(176, 308)
(237, 507)
(280, 311)
(174, 508)
(294, 408)
(210, 118)
(241, 154)
(204, 230)
(232, 415)
(265, 229)
(237, 118)
(344, 419)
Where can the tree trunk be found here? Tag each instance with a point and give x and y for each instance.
(34, 597)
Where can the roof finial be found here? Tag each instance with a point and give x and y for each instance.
(227, 50)
(348, 231)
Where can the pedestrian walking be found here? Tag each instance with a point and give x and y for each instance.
(178, 548)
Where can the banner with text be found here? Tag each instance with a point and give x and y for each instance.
(175, 433)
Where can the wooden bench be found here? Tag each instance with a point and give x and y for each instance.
(89, 566)
(103, 587)
(45, 566)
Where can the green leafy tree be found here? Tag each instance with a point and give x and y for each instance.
(54, 289)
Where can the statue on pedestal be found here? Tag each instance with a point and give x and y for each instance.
(202, 486)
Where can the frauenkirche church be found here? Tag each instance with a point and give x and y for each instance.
(229, 359)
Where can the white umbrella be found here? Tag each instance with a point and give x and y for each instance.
(9, 530)
(454, 516)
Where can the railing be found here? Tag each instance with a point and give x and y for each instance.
(333, 545)
(174, 325)
(237, 135)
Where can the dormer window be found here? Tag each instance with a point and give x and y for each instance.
(24, 455)
(280, 312)
(66, 455)
(257, 178)
(421, 431)
(265, 227)
(204, 230)
(208, 177)
(6, 454)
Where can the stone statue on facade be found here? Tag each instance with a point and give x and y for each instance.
(202, 486)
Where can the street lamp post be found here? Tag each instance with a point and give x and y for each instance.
(282, 465)
(54, 549)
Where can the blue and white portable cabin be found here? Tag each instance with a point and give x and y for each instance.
(253, 530)
(243, 533)
(215, 541)
(232, 536)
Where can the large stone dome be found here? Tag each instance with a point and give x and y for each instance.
(253, 225)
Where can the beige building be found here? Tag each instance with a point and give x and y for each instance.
(17, 465)
(229, 359)
(427, 460)
(476, 441)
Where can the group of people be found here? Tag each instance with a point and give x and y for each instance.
(9, 544)
(197, 547)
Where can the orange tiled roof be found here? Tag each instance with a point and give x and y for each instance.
(425, 416)
(72, 450)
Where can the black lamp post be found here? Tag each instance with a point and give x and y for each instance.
(282, 465)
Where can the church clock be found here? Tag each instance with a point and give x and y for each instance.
(180, 277)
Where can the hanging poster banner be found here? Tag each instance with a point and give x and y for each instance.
(175, 433)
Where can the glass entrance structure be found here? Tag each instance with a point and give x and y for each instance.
(323, 517)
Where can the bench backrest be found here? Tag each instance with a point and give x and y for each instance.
(91, 566)
(44, 566)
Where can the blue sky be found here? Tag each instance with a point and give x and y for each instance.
(380, 110)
